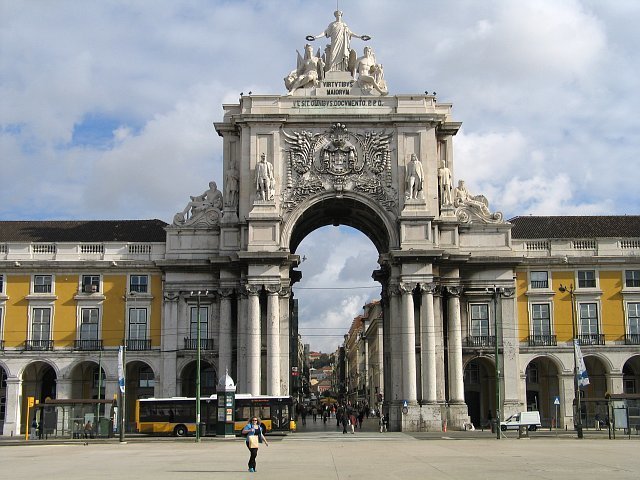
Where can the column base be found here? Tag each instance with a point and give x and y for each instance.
(457, 415)
(418, 418)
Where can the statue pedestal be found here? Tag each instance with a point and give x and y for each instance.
(448, 211)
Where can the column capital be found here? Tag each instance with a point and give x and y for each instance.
(273, 289)
(225, 292)
(430, 287)
(171, 297)
(454, 290)
(407, 287)
(394, 290)
(285, 291)
(252, 289)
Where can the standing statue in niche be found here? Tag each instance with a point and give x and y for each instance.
(231, 186)
(310, 69)
(339, 51)
(265, 182)
(444, 175)
(414, 178)
(370, 73)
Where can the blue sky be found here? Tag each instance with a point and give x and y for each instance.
(106, 108)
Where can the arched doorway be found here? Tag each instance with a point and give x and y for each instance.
(208, 379)
(480, 390)
(593, 395)
(542, 386)
(38, 381)
(3, 396)
(631, 375)
(85, 381)
(140, 383)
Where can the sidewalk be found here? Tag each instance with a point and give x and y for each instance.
(329, 455)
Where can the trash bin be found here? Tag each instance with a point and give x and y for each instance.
(203, 429)
(523, 431)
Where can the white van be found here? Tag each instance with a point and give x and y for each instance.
(530, 419)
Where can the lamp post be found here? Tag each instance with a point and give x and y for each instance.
(198, 294)
(576, 387)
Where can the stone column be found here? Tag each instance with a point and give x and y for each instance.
(241, 343)
(395, 352)
(224, 332)
(438, 312)
(13, 407)
(615, 383)
(169, 342)
(64, 388)
(253, 340)
(567, 395)
(409, 390)
(428, 342)
(456, 380)
(285, 339)
(273, 339)
(387, 386)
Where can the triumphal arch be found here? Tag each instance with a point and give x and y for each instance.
(337, 148)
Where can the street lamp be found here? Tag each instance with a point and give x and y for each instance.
(572, 294)
(198, 294)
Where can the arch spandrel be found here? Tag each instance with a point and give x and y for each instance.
(353, 210)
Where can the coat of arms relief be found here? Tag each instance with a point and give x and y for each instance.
(338, 160)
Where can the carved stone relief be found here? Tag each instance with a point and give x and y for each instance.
(338, 160)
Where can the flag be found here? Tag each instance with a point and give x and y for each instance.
(121, 368)
(581, 368)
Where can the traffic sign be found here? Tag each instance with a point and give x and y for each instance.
(556, 401)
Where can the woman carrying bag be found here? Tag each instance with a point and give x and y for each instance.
(254, 435)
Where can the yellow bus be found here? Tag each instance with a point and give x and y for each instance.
(177, 415)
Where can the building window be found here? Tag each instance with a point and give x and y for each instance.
(480, 320)
(204, 322)
(1, 283)
(632, 278)
(147, 379)
(89, 324)
(532, 373)
(137, 324)
(541, 319)
(633, 318)
(90, 283)
(589, 319)
(139, 283)
(586, 279)
(539, 279)
(42, 283)
(41, 324)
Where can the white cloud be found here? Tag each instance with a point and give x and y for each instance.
(547, 91)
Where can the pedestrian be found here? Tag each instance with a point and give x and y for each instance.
(383, 426)
(34, 429)
(345, 421)
(254, 436)
(352, 422)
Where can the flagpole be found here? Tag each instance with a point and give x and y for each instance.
(576, 386)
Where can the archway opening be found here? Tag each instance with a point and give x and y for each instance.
(631, 375)
(329, 304)
(85, 381)
(543, 386)
(479, 391)
(208, 379)
(3, 396)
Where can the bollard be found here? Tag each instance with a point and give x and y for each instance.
(523, 431)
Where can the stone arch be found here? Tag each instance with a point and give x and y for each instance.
(351, 210)
(3, 394)
(479, 389)
(83, 378)
(542, 385)
(208, 379)
(631, 375)
(140, 383)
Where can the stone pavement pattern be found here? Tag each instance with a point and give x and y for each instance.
(329, 456)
